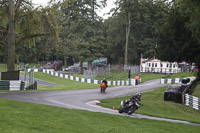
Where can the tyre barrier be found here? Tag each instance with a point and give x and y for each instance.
(12, 85)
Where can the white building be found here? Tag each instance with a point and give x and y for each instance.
(157, 66)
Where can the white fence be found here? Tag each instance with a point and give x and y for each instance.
(175, 80)
(159, 70)
(192, 101)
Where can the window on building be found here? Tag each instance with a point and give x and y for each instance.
(167, 65)
(174, 66)
(149, 64)
(155, 64)
(152, 64)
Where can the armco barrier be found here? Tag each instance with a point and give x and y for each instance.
(12, 85)
(192, 101)
(51, 72)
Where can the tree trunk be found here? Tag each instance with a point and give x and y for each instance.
(65, 61)
(128, 27)
(90, 65)
(11, 38)
(81, 67)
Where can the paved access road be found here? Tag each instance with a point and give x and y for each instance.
(85, 99)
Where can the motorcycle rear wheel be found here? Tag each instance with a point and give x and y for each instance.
(132, 110)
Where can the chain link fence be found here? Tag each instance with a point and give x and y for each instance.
(112, 73)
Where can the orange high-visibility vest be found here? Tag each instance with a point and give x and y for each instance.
(137, 77)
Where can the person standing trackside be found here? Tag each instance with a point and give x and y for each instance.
(136, 79)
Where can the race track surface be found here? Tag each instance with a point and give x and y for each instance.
(86, 99)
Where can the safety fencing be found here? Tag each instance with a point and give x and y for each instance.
(170, 81)
(86, 80)
(174, 80)
(12, 85)
(21, 85)
(192, 101)
(187, 99)
(37, 70)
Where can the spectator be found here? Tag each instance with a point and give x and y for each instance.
(136, 79)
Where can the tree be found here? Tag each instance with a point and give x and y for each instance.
(146, 20)
(179, 39)
(11, 36)
(80, 27)
(26, 25)
(126, 7)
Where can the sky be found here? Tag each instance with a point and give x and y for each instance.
(101, 13)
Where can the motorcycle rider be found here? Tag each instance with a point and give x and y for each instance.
(104, 81)
(131, 105)
(136, 98)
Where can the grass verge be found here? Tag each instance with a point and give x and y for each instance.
(154, 105)
(183, 75)
(151, 76)
(124, 76)
(21, 117)
(65, 84)
(196, 89)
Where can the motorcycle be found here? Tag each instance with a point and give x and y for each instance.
(129, 106)
(102, 87)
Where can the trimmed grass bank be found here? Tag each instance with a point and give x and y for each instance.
(196, 89)
(66, 84)
(151, 76)
(183, 75)
(154, 105)
(21, 117)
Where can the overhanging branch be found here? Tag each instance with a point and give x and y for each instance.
(18, 3)
(2, 43)
(30, 36)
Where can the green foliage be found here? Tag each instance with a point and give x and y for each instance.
(32, 27)
(147, 17)
(154, 105)
(81, 30)
(179, 39)
(29, 117)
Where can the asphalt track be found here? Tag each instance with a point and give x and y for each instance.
(86, 99)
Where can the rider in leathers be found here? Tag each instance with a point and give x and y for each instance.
(135, 98)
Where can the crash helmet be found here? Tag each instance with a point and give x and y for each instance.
(139, 95)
